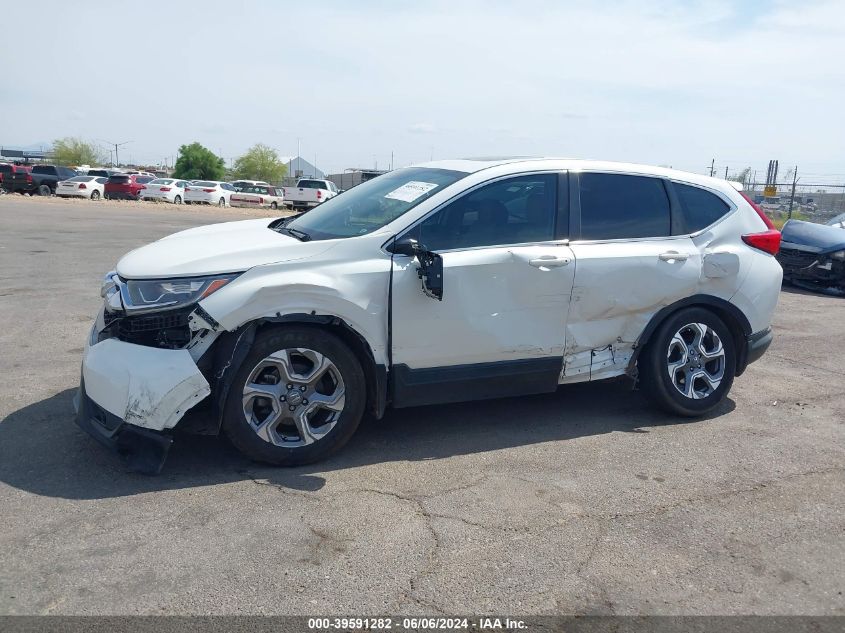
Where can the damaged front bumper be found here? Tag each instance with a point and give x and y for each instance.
(812, 268)
(131, 397)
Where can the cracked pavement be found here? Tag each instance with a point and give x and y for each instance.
(583, 501)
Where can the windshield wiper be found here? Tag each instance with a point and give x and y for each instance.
(302, 236)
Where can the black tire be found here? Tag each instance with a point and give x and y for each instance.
(187, 202)
(177, 200)
(221, 202)
(653, 365)
(240, 432)
(274, 206)
(95, 195)
(44, 190)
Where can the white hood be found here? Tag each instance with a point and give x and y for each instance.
(213, 249)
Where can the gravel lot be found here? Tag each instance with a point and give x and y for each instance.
(583, 501)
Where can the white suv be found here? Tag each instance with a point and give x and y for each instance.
(455, 280)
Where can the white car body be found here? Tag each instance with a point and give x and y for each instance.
(165, 190)
(81, 187)
(258, 197)
(544, 304)
(209, 192)
(309, 192)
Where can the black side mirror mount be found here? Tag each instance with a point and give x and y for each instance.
(430, 270)
(407, 246)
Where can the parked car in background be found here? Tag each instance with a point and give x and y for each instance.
(240, 184)
(309, 192)
(103, 173)
(454, 280)
(165, 190)
(258, 196)
(82, 187)
(6, 172)
(209, 192)
(42, 180)
(813, 255)
(126, 186)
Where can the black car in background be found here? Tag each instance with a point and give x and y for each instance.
(813, 255)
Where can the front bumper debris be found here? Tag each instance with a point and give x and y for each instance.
(131, 396)
(144, 450)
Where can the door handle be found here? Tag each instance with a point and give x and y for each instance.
(548, 261)
(673, 256)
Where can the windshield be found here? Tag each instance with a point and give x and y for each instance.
(372, 204)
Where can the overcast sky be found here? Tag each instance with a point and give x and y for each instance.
(653, 81)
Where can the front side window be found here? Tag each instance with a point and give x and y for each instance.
(511, 211)
(373, 204)
(618, 206)
(699, 208)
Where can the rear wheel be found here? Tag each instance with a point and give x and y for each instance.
(95, 195)
(274, 206)
(177, 200)
(297, 397)
(690, 363)
(44, 190)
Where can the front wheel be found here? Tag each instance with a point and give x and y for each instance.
(95, 195)
(689, 364)
(221, 202)
(274, 206)
(298, 396)
(177, 200)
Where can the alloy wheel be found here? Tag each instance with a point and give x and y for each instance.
(293, 397)
(696, 360)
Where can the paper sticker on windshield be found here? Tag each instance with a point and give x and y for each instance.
(410, 191)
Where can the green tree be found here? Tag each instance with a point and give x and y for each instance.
(196, 162)
(260, 163)
(75, 151)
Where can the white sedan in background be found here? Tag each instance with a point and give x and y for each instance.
(258, 196)
(81, 187)
(165, 190)
(209, 192)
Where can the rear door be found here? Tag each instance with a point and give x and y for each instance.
(507, 279)
(629, 267)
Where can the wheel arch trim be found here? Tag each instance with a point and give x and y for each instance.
(234, 346)
(734, 319)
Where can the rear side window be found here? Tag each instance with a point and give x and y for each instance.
(39, 169)
(617, 206)
(699, 208)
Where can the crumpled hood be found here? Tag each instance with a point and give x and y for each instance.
(811, 237)
(215, 248)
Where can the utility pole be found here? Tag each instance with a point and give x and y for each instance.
(792, 196)
(116, 155)
(726, 172)
(712, 165)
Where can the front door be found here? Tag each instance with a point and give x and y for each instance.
(507, 280)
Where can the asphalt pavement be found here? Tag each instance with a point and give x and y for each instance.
(585, 501)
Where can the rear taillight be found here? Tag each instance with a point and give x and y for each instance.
(165, 189)
(766, 241)
(29, 179)
(209, 190)
(187, 188)
(82, 185)
(319, 194)
(260, 200)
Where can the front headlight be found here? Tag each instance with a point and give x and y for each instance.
(166, 294)
(840, 255)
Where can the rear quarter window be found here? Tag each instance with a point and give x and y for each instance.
(699, 208)
(619, 206)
